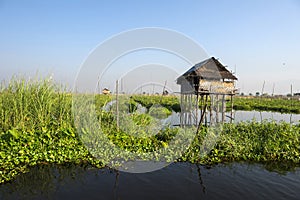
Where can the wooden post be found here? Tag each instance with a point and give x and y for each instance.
(197, 107)
(206, 100)
(211, 109)
(190, 108)
(201, 105)
(185, 110)
(217, 108)
(223, 110)
(231, 113)
(201, 120)
(181, 109)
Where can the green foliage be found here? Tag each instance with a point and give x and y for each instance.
(37, 127)
(169, 102)
(257, 142)
(159, 112)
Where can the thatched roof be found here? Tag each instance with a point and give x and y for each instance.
(208, 69)
(105, 91)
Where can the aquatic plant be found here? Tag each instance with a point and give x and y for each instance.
(37, 127)
(258, 142)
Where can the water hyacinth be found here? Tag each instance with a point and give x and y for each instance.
(37, 127)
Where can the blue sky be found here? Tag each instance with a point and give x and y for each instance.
(260, 38)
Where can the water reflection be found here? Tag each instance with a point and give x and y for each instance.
(200, 178)
(264, 115)
(177, 181)
(240, 116)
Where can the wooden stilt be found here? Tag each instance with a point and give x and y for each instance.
(217, 109)
(181, 110)
(197, 107)
(223, 108)
(231, 112)
(185, 111)
(201, 120)
(205, 113)
(212, 106)
(211, 109)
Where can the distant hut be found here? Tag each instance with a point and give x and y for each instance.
(165, 92)
(208, 78)
(105, 91)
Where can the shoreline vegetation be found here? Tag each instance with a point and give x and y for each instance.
(273, 104)
(37, 127)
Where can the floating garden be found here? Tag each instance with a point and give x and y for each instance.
(37, 127)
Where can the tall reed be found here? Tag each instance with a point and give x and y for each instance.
(36, 104)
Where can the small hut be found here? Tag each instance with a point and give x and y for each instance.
(105, 91)
(204, 88)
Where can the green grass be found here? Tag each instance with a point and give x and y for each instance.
(37, 127)
(169, 102)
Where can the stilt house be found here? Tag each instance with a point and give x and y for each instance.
(204, 88)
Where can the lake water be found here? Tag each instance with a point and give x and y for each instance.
(240, 116)
(259, 116)
(177, 181)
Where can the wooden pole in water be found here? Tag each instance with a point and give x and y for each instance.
(197, 106)
(211, 109)
(201, 120)
(231, 113)
(223, 110)
(181, 109)
(206, 101)
(186, 109)
(191, 108)
(201, 105)
(217, 108)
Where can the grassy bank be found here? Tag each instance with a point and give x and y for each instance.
(37, 127)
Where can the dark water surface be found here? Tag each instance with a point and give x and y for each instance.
(177, 181)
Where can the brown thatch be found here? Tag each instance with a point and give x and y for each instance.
(209, 69)
(105, 91)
